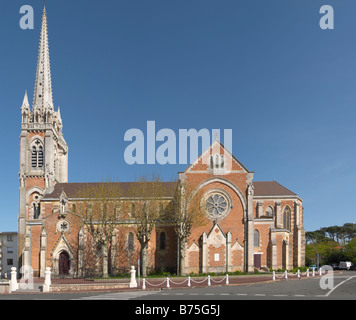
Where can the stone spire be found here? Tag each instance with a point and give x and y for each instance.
(43, 100)
(25, 104)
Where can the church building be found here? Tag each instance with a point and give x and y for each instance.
(249, 225)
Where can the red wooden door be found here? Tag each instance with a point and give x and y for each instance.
(64, 263)
(257, 261)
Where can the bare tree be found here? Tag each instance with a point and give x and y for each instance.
(98, 205)
(186, 215)
(147, 195)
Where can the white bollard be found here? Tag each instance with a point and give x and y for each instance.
(274, 276)
(168, 282)
(47, 282)
(307, 273)
(227, 279)
(298, 274)
(313, 273)
(286, 274)
(13, 282)
(320, 272)
(209, 281)
(144, 284)
(188, 281)
(133, 282)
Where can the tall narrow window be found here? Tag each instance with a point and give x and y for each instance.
(256, 235)
(36, 210)
(37, 156)
(269, 212)
(130, 242)
(217, 161)
(286, 218)
(40, 157)
(162, 241)
(133, 210)
(34, 158)
(222, 162)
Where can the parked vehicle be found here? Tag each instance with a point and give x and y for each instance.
(335, 266)
(313, 266)
(345, 265)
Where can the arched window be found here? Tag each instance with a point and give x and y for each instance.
(34, 158)
(37, 155)
(286, 218)
(36, 210)
(130, 242)
(256, 237)
(162, 241)
(269, 212)
(217, 161)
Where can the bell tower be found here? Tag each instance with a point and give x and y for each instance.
(43, 150)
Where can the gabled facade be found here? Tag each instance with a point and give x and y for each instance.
(247, 225)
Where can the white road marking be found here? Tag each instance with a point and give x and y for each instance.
(326, 295)
(119, 295)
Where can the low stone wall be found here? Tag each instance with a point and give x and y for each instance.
(87, 287)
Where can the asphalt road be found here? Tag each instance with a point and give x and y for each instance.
(342, 286)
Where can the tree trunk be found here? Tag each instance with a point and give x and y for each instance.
(105, 261)
(144, 254)
(182, 257)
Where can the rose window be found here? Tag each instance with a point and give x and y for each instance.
(216, 205)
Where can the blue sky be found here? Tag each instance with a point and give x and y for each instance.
(264, 69)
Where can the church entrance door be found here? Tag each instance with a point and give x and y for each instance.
(257, 261)
(64, 263)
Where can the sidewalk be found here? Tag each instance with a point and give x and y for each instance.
(111, 285)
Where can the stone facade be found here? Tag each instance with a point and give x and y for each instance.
(247, 224)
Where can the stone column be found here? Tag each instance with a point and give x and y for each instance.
(22, 197)
(228, 252)
(297, 236)
(286, 246)
(43, 253)
(273, 249)
(26, 261)
(278, 217)
(259, 209)
(204, 253)
(250, 228)
(47, 282)
(49, 157)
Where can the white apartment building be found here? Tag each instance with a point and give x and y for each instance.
(8, 253)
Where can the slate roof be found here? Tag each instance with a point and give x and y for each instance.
(271, 188)
(73, 190)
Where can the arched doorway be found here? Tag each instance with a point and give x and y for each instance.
(63, 263)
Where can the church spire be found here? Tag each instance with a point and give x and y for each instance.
(43, 100)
